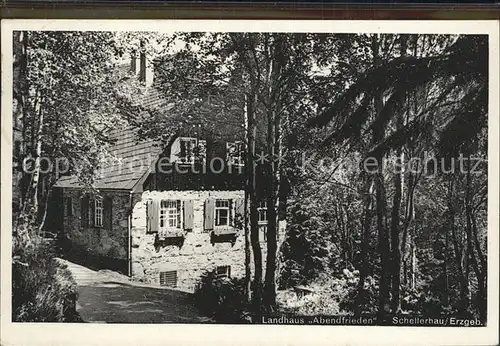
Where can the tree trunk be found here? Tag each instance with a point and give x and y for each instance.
(478, 271)
(254, 228)
(464, 294)
(396, 253)
(383, 239)
(248, 165)
(37, 164)
(275, 51)
(396, 209)
(365, 240)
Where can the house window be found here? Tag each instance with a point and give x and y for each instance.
(222, 212)
(191, 150)
(262, 212)
(168, 278)
(170, 214)
(98, 212)
(236, 153)
(187, 150)
(69, 206)
(223, 271)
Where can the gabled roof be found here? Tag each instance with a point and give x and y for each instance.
(134, 157)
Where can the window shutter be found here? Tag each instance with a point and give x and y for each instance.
(239, 206)
(84, 212)
(209, 214)
(179, 211)
(202, 150)
(148, 216)
(91, 212)
(107, 205)
(230, 149)
(155, 215)
(188, 215)
(230, 220)
(183, 151)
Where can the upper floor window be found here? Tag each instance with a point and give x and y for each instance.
(170, 214)
(98, 211)
(236, 153)
(191, 150)
(186, 154)
(222, 212)
(262, 212)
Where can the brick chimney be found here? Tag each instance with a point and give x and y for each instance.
(146, 72)
(134, 65)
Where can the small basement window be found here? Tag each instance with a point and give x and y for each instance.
(168, 278)
(223, 271)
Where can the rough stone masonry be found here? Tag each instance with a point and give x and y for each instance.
(196, 253)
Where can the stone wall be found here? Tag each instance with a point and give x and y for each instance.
(98, 246)
(197, 252)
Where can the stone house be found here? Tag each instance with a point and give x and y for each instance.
(162, 215)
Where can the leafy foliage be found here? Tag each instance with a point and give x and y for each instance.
(222, 298)
(43, 289)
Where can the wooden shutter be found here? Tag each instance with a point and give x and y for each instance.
(148, 215)
(209, 214)
(230, 217)
(202, 150)
(107, 205)
(183, 149)
(84, 211)
(91, 212)
(155, 215)
(239, 206)
(188, 215)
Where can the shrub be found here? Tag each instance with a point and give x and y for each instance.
(221, 298)
(360, 301)
(43, 289)
(331, 296)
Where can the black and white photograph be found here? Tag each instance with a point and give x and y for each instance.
(257, 177)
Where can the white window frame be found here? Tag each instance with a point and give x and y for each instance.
(220, 208)
(98, 212)
(262, 207)
(236, 158)
(169, 213)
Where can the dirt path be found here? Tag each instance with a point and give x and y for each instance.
(108, 297)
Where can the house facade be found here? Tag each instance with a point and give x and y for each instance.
(162, 215)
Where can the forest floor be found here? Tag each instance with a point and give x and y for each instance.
(109, 297)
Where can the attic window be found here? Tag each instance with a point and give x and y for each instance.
(168, 278)
(236, 153)
(191, 148)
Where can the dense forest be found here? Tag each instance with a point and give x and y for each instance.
(378, 145)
